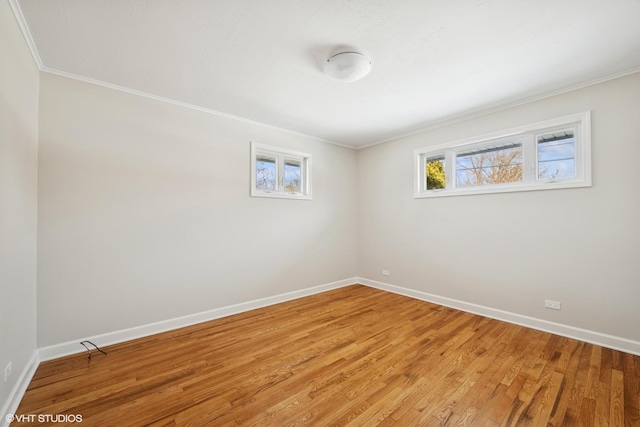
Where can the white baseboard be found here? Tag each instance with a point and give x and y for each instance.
(13, 401)
(73, 347)
(609, 341)
(604, 340)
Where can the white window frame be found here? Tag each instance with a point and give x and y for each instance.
(580, 123)
(281, 155)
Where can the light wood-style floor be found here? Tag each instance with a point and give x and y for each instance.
(352, 356)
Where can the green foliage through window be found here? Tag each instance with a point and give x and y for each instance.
(435, 174)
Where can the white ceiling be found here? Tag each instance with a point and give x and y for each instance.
(433, 60)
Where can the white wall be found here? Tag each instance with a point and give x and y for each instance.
(512, 251)
(18, 179)
(145, 214)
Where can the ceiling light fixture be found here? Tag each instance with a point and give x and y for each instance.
(347, 66)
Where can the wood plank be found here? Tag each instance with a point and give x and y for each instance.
(616, 405)
(351, 356)
(545, 406)
(568, 366)
(631, 390)
(574, 409)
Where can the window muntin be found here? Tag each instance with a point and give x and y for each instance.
(281, 173)
(546, 155)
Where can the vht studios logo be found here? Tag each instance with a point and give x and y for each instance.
(44, 418)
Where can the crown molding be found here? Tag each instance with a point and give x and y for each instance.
(182, 104)
(472, 114)
(17, 12)
(450, 120)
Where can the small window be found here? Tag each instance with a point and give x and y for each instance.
(280, 173)
(548, 155)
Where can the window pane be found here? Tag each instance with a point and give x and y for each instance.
(494, 165)
(292, 176)
(435, 173)
(265, 173)
(556, 155)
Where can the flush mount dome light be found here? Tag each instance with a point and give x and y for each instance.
(347, 66)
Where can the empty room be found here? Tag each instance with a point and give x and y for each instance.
(322, 213)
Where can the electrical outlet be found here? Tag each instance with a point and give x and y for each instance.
(385, 272)
(554, 305)
(7, 372)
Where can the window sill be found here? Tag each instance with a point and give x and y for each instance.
(557, 185)
(276, 195)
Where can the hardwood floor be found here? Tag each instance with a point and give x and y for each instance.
(352, 356)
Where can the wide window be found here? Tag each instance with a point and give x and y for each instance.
(547, 155)
(277, 172)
